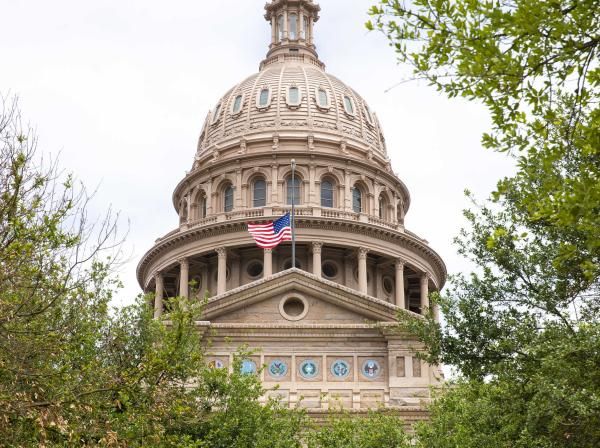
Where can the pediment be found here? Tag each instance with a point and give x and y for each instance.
(271, 301)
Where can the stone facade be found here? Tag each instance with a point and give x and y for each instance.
(324, 330)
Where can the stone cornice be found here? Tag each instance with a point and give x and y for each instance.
(177, 239)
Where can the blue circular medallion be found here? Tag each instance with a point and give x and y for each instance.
(340, 368)
(309, 369)
(278, 368)
(248, 367)
(371, 368)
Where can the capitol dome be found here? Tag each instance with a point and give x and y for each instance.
(332, 309)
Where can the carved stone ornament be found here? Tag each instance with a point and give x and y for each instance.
(275, 142)
(243, 147)
(311, 142)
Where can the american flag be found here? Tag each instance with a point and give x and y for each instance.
(269, 234)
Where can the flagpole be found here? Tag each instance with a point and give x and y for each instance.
(293, 213)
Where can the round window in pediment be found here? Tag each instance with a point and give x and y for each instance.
(388, 285)
(293, 307)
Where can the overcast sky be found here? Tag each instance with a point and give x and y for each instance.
(120, 89)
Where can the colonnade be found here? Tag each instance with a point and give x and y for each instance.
(317, 247)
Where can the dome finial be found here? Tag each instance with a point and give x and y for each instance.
(292, 23)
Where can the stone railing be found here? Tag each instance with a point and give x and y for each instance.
(301, 211)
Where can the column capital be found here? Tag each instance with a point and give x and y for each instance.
(317, 246)
(184, 261)
(362, 253)
(157, 275)
(424, 277)
(399, 263)
(221, 252)
(268, 251)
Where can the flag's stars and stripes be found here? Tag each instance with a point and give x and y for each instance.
(269, 234)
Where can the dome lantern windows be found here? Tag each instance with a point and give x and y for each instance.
(280, 28)
(305, 25)
(348, 105)
(228, 198)
(293, 97)
(293, 33)
(238, 102)
(263, 98)
(259, 193)
(322, 99)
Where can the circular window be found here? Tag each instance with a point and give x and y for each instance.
(308, 369)
(278, 368)
(340, 368)
(196, 282)
(388, 285)
(248, 367)
(293, 307)
(371, 369)
(330, 269)
(288, 264)
(254, 269)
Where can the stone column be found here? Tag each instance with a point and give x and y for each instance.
(158, 295)
(237, 191)
(222, 270)
(268, 263)
(424, 292)
(274, 29)
(347, 191)
(274, 186)
(400, 300)
(286, 25)
(184, 278)
(362, 269)
(317, 247)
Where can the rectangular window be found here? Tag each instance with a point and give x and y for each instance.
(237, 104)
(260, 193)
(323, 100)
(416, 364)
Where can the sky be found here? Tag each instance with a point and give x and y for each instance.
(119, 91)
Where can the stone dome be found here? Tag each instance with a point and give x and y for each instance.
(294, 139)
(297, 95)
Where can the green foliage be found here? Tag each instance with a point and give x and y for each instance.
(377, 430)
(522, 330)
(554, 402)
(73, 372)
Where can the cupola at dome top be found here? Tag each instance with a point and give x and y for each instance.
(292, 28)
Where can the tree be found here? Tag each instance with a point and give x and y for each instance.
(523, 328)
(376, 430)
(75, 373)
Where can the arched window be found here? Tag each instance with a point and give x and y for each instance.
(357, 200)
(264, 97)
(326, 193)
(294, 95)
(202, 207)
(259, 193)
(383, 207)
(237, 105)
(216, 113)
(293, 27)
(348, 105)
(322, 98)
(280, 28)
(228, 198)
(293, 191)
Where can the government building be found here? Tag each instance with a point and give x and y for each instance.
(324, 330)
